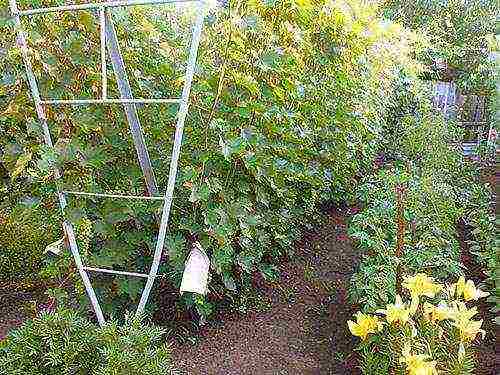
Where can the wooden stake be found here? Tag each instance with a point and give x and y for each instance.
(400, 221)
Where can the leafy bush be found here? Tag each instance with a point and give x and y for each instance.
(457, 32)
(483, 242)
(482, 220)
(64, 343)
(23, 231)
(418, 151)
(285, 113)
(432, 334)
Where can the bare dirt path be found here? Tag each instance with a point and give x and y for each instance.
(303, 331)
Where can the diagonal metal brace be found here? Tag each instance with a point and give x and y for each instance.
(130, 109)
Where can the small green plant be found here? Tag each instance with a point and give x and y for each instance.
(483, 242)
(431, 334)
(62, 342)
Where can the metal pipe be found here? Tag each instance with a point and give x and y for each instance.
(108, 101)
(102, 34)
(113, 272)
(68, 228)
(110, 4)
(160, 242)
(117, 196)
(125, 91)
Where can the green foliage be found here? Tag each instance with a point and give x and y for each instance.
(284, 114)
(417, 151)
(22, 233)
(133, 349)
(483, 242)
(430, 211)
(482, 220)
(64, 343)
(458, 33)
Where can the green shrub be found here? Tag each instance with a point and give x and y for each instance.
(419, 152)
(458, 33)
(24, 233)
(483, 242)
(431, 212)
(64, 343)
(132, 349)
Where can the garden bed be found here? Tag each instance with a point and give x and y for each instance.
(300, 326)
(297, 325)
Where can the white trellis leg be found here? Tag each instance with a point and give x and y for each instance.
(181, 117)
(23, 45)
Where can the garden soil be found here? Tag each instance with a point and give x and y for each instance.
(302, 328)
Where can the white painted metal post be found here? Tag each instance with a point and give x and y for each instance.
(22, 43)
(201, 10)
(102, 41)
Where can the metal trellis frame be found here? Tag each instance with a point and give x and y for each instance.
(109, 41)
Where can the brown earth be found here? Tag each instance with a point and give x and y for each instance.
(302, 330)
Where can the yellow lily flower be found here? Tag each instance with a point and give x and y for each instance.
(417, 364)
(397, 312)
(459, 311)
(436, 313)
(462, 320)
(428, 368)
(365, 324)
(421, 285)
(468, 290)
(469, 329)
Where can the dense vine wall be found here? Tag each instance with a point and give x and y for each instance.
(286, 111)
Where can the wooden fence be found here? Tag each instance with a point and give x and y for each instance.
(468, 110)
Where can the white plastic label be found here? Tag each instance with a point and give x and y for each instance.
(55, 247)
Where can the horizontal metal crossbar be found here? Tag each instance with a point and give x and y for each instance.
(108, 4)
(109, 101)
(113, 272)
(116, 196)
